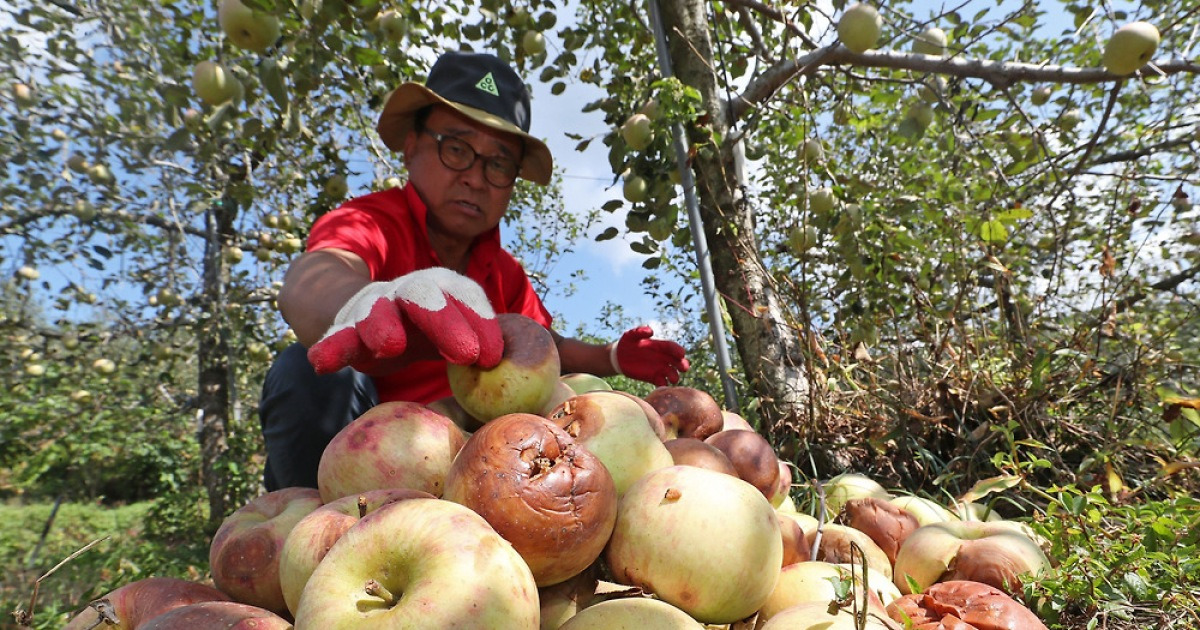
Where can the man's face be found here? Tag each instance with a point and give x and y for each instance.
(461, 204)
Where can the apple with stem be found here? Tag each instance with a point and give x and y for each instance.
(420, 563)
(130, 606)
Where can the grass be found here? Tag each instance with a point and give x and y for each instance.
(123, 554)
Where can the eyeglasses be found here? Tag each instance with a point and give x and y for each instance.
(458, 155)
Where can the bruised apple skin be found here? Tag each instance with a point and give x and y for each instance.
(393, 445)
(551, 498)
(693, 452)
(223, 615)
(795, 542)
(997, 553)
(700, 540)
(752, 457)
(883, 521)
(614, 428)
(964, 602)
(138, 602)
(687, 411)
(523, 381)
(244, 553)
(837, 546)
(315, 534)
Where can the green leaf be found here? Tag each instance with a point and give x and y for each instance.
(607, 234)
(272, 80)
(993, 231)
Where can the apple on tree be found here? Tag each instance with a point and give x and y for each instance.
(247, 28)
(931, 41)
(1130, 47)
(859, 27)
(533, 43)
(638, 131)
(214, 83)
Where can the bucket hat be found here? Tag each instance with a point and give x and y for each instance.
(481, 87)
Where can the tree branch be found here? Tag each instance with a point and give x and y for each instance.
(999, 73)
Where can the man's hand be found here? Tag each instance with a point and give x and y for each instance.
(638, 356)
(383, 320)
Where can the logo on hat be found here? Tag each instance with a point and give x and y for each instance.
(488, 84)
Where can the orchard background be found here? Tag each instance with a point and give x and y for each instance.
(1001, 289)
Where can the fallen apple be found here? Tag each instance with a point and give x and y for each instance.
(222, 615)
(848, 486)
(244, 554)
(955, 603)
(732, 420)
(820, 582)
(393, 445)
(703, 541)
(822, 616)
(998, 553)
(687, 411)
(583, 383)
(614, 428)
(549, 497)
(842, 544)
(311, 538)
(562, 601)
(795, 542)
(632, 613)
(752, 456)
(135, 603)
(888, 525)
(420, 563)
(925, 510)
(522, 382)
(693, 452)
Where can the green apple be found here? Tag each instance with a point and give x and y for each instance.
(706, 542)
(803, 238)
(638, 131)
(631, 612)
(932, 89)
(392, 25)
(263, 254)
(812, 151)
(993, 552)
(859, 27)
(635, 189)
(78, 163)
(392, 182)
(1070, 119)
(336, 186)
(420, 563)
(821, 201)
(533, 43)
(1041, 95)
(99, 174)
(246, 28)
(931, 41)
(1130, 47)
(522, 382)
(81, 396)
(22, 95)
(104, 366)
(214, 83)
(920, 113)
(28, 273)
(35, 369)
(582, 383)
(58, 134)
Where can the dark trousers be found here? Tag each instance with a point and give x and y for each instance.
(301, 411)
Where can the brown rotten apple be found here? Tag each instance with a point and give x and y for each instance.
(838, 544)
(997, 553)
(693, 452)
(315, 534)
(964, 605)
(687, 411)
(752, 457)
(522, 382)
(244, 553)
(548, 496)
(214, 615)
(884, 522)
(137, 602)
(393, 445)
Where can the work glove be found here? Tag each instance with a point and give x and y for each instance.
(431, 307)
(655, 361)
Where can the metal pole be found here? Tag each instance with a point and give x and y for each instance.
(716, 323)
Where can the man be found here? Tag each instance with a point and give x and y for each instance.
(396, 283)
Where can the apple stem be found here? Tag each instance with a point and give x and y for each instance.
(375, 589)
(362, 506)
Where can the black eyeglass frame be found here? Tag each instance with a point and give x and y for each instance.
(493, 165)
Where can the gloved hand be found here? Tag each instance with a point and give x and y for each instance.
(384, 319)
(638, 356)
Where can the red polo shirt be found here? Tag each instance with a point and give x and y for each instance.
(387, 230)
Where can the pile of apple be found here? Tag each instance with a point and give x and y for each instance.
(532, 500)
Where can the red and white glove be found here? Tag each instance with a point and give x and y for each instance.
(384, 319)
(655, 361)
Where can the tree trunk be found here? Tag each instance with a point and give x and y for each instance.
(771, 353)
(215, 369)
